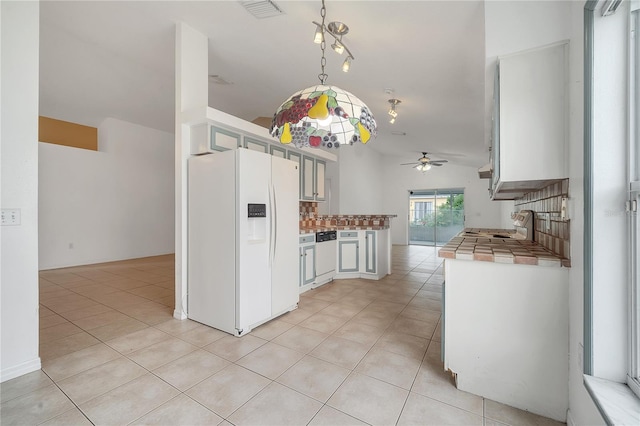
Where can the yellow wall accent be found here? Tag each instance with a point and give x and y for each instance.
(68, 134)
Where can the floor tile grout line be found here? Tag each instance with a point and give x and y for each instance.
(69, 398)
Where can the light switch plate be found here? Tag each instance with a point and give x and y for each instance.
(10, 217)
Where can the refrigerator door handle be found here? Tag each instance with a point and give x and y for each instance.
(271, 223)
(275, 222)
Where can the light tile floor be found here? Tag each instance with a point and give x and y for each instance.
(354, 352)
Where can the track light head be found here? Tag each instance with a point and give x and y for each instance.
(319, 35)
(346, 65)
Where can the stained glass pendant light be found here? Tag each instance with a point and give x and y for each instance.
(323, 115)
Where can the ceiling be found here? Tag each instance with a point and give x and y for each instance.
(116, 59)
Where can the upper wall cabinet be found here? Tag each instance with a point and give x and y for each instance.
(212, 136)
(297, 157)
(313, 176)
(530, 121)
(207, 138)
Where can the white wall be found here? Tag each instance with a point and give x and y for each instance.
(360, 180)
(19, 188)
(398, 180)
(112, 204)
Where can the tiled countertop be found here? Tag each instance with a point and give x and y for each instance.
(342, 228)
(499, 250)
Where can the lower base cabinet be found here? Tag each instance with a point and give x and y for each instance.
(364, 254)
(506, 333)
(348, 252)
(370, 250)
(307, 261)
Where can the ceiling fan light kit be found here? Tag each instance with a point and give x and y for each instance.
(324, 115)
(425, 163)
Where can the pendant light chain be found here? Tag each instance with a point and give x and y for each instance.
(323, 76)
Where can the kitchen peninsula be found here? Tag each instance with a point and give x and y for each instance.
(342, 246)
(506, 324)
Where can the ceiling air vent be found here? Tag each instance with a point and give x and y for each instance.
(262, 8)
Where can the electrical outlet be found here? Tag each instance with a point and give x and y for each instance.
(10, 217)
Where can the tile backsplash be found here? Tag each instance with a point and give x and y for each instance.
(551, 230)
(309, 219)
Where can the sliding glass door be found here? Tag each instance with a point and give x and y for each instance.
(435, 216)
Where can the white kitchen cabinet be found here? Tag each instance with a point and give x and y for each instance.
(313, 178)
(363, 254)
(348, 251)
(297, 157)
(513, 346)
(307, 262)
(370, 251)
(321, 168)
(209, 138)
(529, 139)
(308, 178)
(256, 145)
(278, 151)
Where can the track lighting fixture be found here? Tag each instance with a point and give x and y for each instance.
(392, 111)
(336, 30)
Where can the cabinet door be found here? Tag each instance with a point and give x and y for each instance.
(308, 259)
(533, 114)
(370, 250)
(256, 145)
(308, 178)
(297, 157)
(320, 176)
(278, 151)
(349, 256)
(223, 140)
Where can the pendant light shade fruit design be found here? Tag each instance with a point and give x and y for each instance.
(319, 110)
(286, 134)
(324, 116)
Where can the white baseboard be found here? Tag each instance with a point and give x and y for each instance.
(20, 369)
(179, 314)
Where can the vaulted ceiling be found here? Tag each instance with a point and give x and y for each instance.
(116, 59)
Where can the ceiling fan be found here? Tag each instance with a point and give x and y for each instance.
(424, 163)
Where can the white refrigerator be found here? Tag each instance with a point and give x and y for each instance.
(243, 239)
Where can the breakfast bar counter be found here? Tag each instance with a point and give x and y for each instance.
(498, 246)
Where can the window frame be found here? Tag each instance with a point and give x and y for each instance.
(633, 375)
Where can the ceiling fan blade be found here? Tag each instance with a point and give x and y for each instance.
(408, 164)
(436, 164)
(439, 161)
